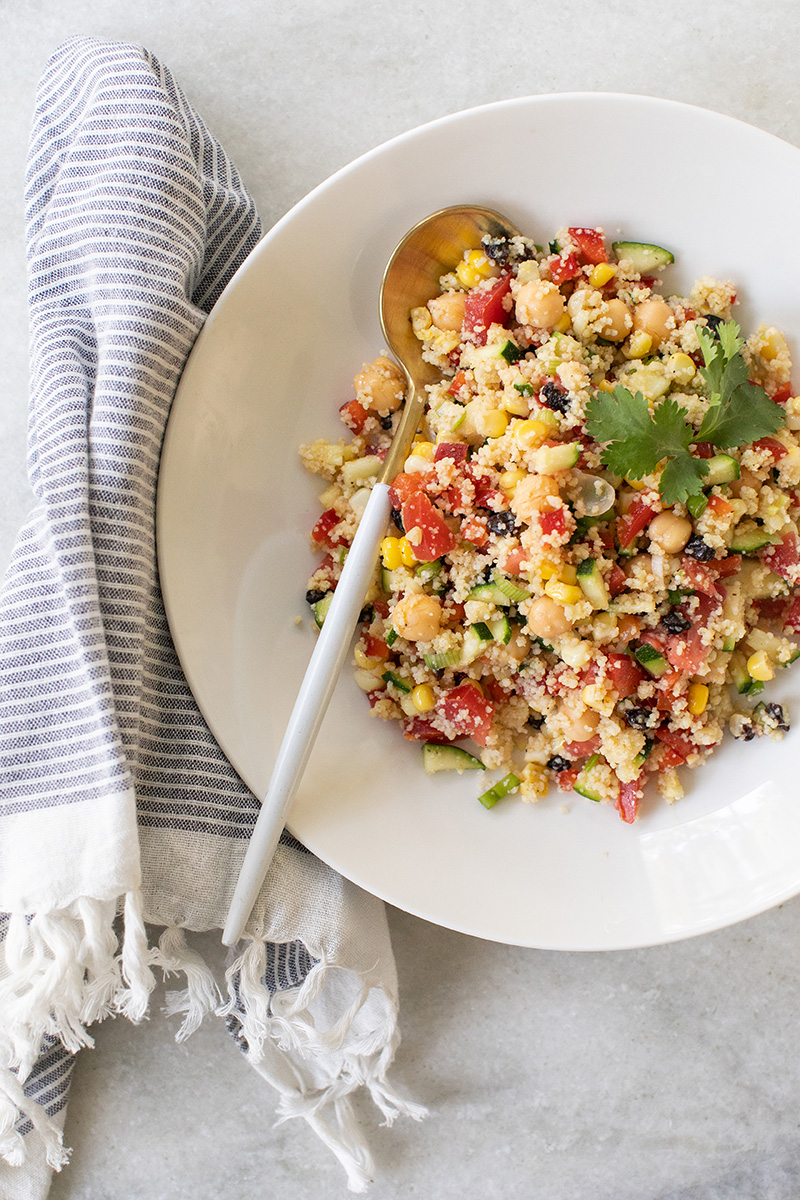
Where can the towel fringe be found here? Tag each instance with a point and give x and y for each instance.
(315, 1063)
(201, 994)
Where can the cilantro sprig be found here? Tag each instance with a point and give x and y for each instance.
(636, 440)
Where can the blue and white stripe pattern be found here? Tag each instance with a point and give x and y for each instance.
(136, 221)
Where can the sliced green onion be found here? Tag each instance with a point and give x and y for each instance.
(697, 505)
(512, 590)
(391, 637)
(507, 784)
(437, 662)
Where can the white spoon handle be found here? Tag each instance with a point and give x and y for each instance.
(312, 700)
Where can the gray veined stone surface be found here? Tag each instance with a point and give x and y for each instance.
(664, 1074)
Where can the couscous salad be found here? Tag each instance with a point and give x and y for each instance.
(593, 566)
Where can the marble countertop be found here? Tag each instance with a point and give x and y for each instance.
(661, 1074)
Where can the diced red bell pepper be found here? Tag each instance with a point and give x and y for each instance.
(354, 415)
(783, 393)
(638, 516)
(617, 580)
(468, 711)
(322, 533)
(405, 485)
(566, 780)
(422, 729)
(590, 243)
(629, 798)
(455, 450)
(719, 506)
(435, 538)
(483, 306)
(375, 647)
(459, 379)
(791, 622)
(575, 751)
(563, 267)
(474, 531)
(776, 449)
(625, 674)
(677, 743)
(553, 520)
(784, 558)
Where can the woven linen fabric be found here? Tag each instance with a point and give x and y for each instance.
(117, 808)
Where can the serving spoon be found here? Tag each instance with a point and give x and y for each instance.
(429, 250)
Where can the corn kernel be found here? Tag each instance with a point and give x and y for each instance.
(563, 593)
(562, 324)
(424, 450)
(534, 781)
(567, 573)
(759, 666)
(529, 434)
(638, 485)
(772, 343)
(474, 267)
(422, 697)
(548, 570)
(391, 553)
(509, 480)
(605, 385)
(492, 424)
(407, 555)
(364, 661)
(601, 274)
(601, 701)
(639, 344)
(697, 698)
(681, 368)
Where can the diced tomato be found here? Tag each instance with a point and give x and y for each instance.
(784, 558)
(669, 686)
(782, 394)
(727, 566)
(657, 640)
(495, 691)
(468, 711)
(719, 506)
(486, 494)
(617, 580)
(791, 622)
(474, 530)
(375, 647)
(701, 576)
(704, 450)
(322, 533)
(669, 758)
(775, 448)
(381, 608)
(455, 612)
(629, 798)
(566, 779)
(605, 533)
(577, 750)
(484, 306)
(677, 742)
(404, 486)
(631, 525)
(436, 538)
(459, 379)
(455, 450)
(422, 729)
(591, 244)
(354, 415)
(552, 520)
(772, 609)
(625, 674)
(628, 628)
(514, 560)
(563, 267)
(686, 652)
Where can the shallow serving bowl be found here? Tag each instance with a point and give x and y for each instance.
(269, 371)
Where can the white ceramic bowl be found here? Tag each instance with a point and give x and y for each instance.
(269, 371)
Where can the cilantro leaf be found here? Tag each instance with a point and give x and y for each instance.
(725, 368)
(681, 478)
(748, 415)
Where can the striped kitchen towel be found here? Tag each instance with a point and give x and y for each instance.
(117, 808)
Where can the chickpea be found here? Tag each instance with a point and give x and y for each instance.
(616, 321)
(529, 494)
(582, 726)
(654, 317)
(380, 386)
(669, 532)
(417, 617)
(518, 647)
(547, 619)
(447, 311)
(746, 480)
(539, 303)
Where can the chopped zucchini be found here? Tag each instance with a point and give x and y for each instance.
(644, 257)
(643, 755)
(593, 585)
(549, 460)
(721, 469)
(490, 593)
(437, 758)
(749, 537)
(320, 609)
(697, 505)
(393, 678)
(501, 630)
(475, 640)
(511, 352)
(651, 659)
